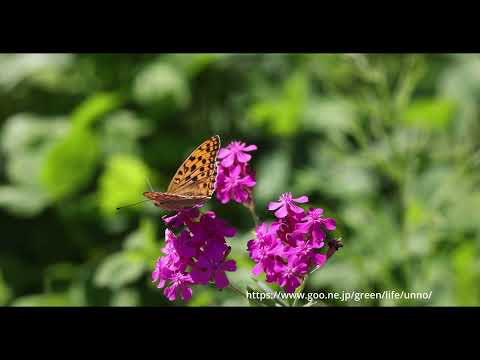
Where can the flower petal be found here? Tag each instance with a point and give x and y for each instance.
(282, 212)
(274, 205)
(330, 224)
(243, 158)
(228, 161)
(200, 277)
(223, 153)
(186, 293)
(250, 148)
(296, 209)
(317, 234)
(235, 172)
(257, 269)
(171, 292)
(221, 280)
(230, 265)
(301, 199)
(319, 259)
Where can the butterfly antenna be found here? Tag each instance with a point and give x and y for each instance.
(125, 206)
(150, 185)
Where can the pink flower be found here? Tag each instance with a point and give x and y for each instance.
(264, 248)
(182, 245)
(286, 205)
(181, 217)
(212, 265)
(288, 248)
(314, 223)
(180, 283)
(234, 184)
(235, 152)
(290, 275)
(197, 255)
(211, 228)
(235, 180)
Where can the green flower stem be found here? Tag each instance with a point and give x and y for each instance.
(251, 208)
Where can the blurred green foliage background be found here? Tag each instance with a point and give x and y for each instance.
(387, 144)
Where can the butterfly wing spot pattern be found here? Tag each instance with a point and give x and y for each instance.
(194, 181)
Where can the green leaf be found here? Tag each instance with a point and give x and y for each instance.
(123, 182)
(23, 201)
(429, 113)
(163, 87)
(466, 275)
(70, 164)
(125, 297)
(283, 115)
(118, 270)
(5, 292)
(58, 273)
(193, 64)
(44, 300)
(203, 297)
(332, 115)
(121, 131)
(18, 67)
(94, 108)
(25, 139)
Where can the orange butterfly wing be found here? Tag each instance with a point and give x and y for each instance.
(195, 180)
(197, 174)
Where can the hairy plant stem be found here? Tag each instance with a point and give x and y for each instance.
(251, 208)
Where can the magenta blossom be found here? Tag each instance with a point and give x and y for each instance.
(314, 222)
(180, 283)
(235, 180)
(212, 265)
(234, 184)
(235, 152)
(264, 249)
(196, 256)
(287, 249)
(181, 217)
(286, 205)
(211, 228)
(290, 274)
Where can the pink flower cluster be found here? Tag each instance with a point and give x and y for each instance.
(195, 256)
(235, 179)
(288, 248)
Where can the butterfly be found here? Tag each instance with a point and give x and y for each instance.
(195, 180)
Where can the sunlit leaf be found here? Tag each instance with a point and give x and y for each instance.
(283, 115)
(23, 201)
(429, 113)
(93, 108)
(70, 164)
(118, 270)
(125, 297)
(163, 87)
(123, 182)
(44, 300)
